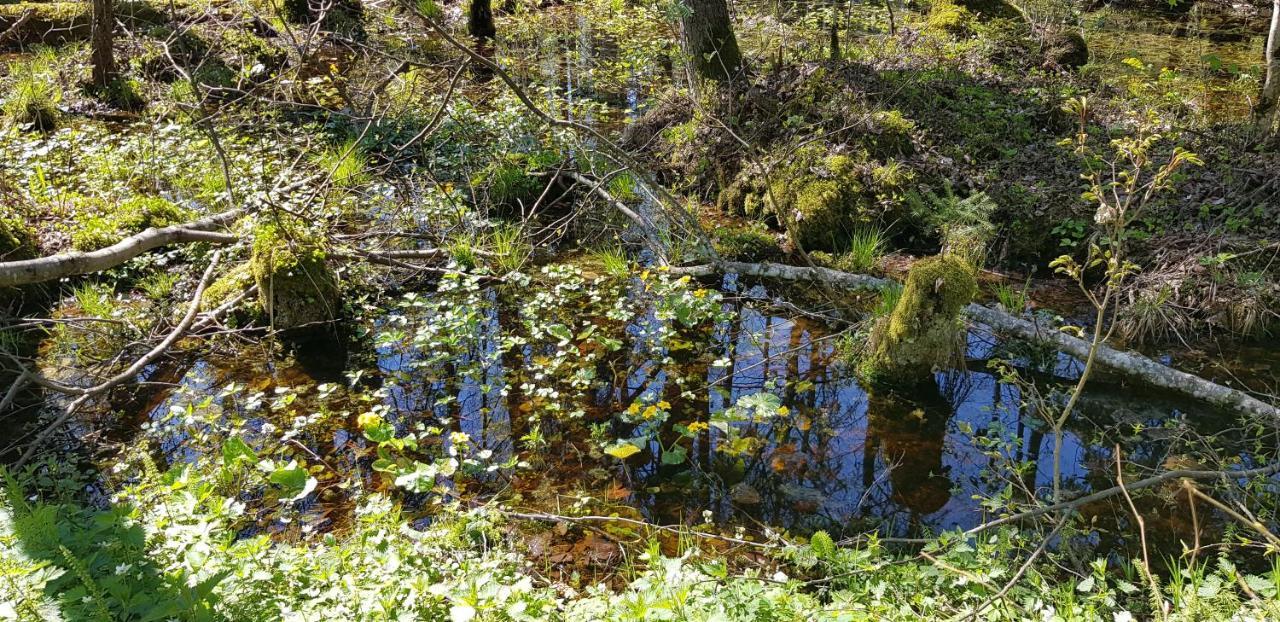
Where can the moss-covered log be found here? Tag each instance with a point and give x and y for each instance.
(51, 23)
(1129, 364)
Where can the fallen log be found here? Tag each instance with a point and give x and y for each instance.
(13, 273)
(1129, 364)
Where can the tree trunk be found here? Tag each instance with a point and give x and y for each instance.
(41, 269)
(480, 20)
(708, 39)
(1266, 111)
(103, 59)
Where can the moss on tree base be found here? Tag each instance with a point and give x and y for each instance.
(922, 332)
(296, 288)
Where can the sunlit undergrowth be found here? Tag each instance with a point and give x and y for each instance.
(169, 549)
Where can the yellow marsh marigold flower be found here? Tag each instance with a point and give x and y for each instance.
(368, 420)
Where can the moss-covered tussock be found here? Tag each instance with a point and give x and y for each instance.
(922, 332)
(296, 288)
(820, 195)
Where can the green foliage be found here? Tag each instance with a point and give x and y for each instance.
(509, 248)
(866, 246)
(346, 164)
(749, 242)
(613, 260)
(124, 93)
(1013, 299)
(513, 181)
(963, 226)
(35, 92)
(947, 17)
(17, 238)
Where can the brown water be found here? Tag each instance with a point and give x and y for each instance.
(845, 459)
(1219, 48)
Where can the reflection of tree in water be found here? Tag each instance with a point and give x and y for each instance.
(907, 428)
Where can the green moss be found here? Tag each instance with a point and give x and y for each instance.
(750, 242)
(823, 195)
(62, 22)
(1066, 49)
(228, 286)
(104, 223)
(296, 288)
(991, 9)
(947, 17)
(17, 238)
(891, 134)
(923, 331)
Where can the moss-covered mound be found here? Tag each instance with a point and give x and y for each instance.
(749, 242)
(922, 332)
(1066, 49)
(343, 16)
(17, 239)
(947, 17)
(104, 223)
(991, 9)
(296, 288)
(821, 196)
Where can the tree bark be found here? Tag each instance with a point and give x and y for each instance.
(480, 19)
(709, 41)
(1130, 364)
(1266, 111)
(42, 269)
(103, 29)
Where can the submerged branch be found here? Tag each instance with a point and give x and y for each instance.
(85, 394)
